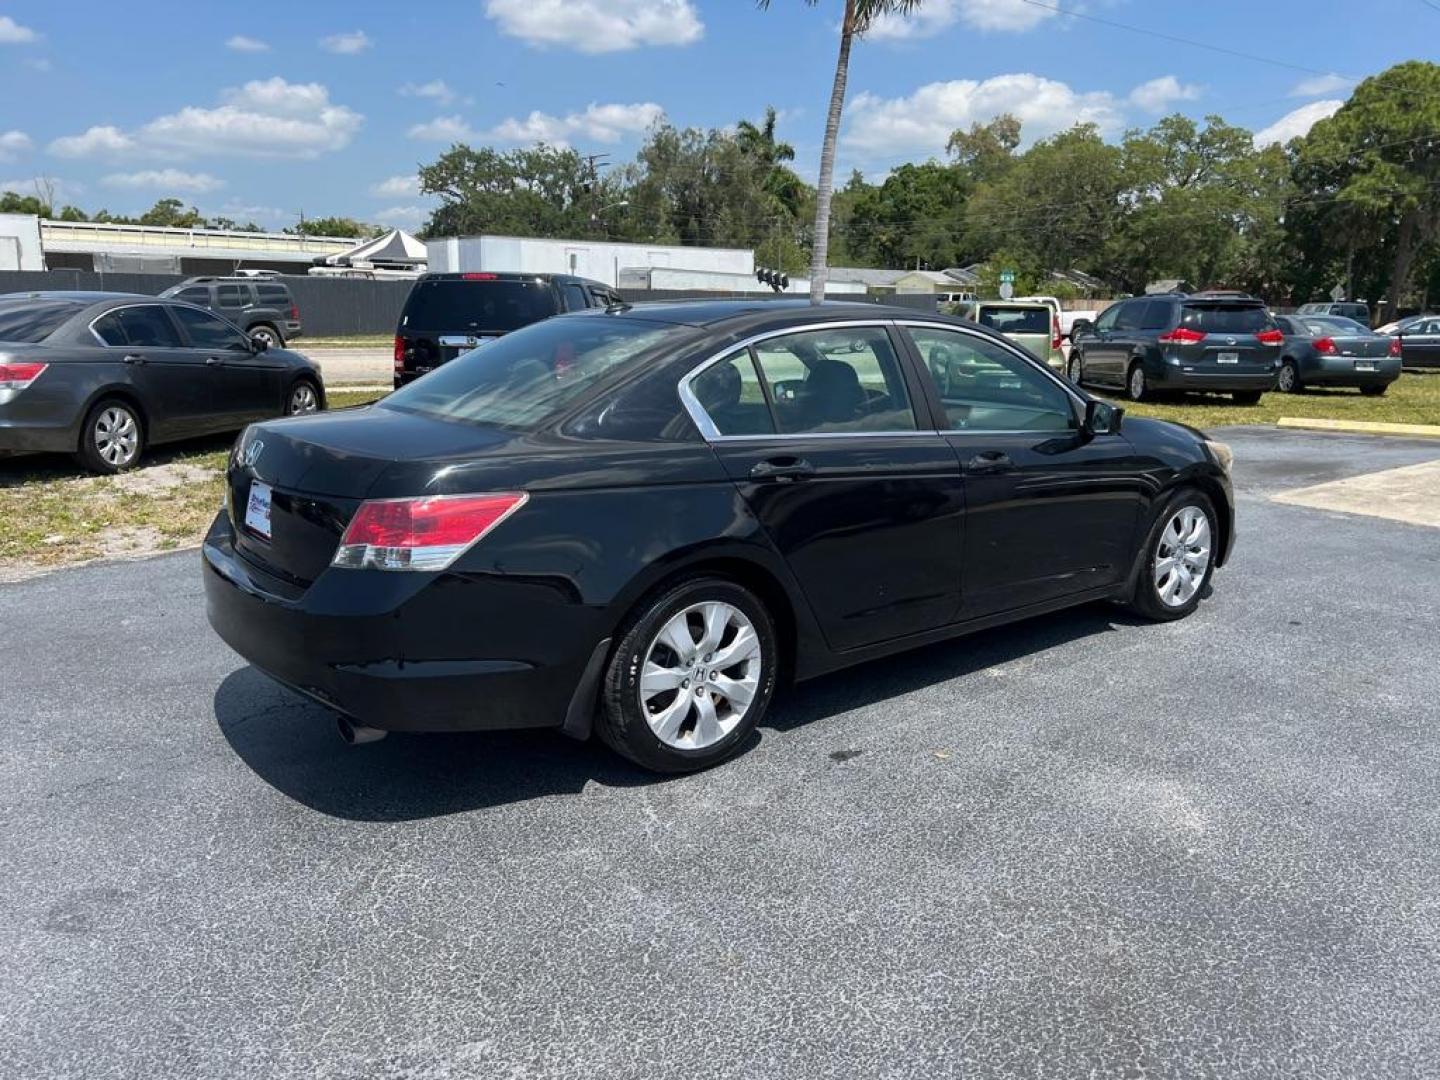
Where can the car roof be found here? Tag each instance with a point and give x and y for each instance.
(741, 312)
(78, 296)
(507, 275)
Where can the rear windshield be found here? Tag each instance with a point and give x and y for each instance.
(527, 378)
(1016, 320)
(477, 305)
(29, 321)
(1226, 318)
(1335, 324)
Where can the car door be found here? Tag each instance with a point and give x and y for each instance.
(174, 386)
(232, 301)
(1050, 511)
(1097, 349)
(818, 429)
(245, 383)
(1420, 346)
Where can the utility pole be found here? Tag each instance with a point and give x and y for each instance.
(593, 164)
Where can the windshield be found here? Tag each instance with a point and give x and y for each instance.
(480, 306)
(1226, 318)
(1016, 320)
(29, 321)
(526, 378)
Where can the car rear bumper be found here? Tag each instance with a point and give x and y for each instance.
(1340, 371)
(1175, 378)
(26, 435)
(350, 641)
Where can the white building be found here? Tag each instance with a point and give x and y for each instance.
(600, 260)
(20, 243)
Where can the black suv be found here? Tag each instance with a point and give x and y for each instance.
(1217, 341)
(448, 314)
(263, 308)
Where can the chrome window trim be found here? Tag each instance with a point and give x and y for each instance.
(160, 302)
(1014, 350)
(710, 433)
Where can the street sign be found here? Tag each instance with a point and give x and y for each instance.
(1007, 289)
(1338, 293)
(1007, 277)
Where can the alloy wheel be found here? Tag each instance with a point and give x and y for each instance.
(1182, 556)
(303, 399)
(1286, 382)
(1076, 371)
(117, 437)
(701, 672)
(1137, 382)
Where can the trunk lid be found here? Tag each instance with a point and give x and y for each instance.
(1362, 346)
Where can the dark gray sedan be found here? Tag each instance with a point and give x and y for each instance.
(1328, 350)
(104, 375)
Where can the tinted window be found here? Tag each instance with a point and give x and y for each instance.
(195, 294)
(1226, 318)
(207, 332)
(574, 297)
(109, 330)
(985, 387)
(477, 305)
(29, 321)
(1128, 317)
(273, 295)
(1016, 320)
(731, 395)
(148, 325)
(846, 379)
(1106, 319)
(232, 296)
(526, 378)
(1155, 315)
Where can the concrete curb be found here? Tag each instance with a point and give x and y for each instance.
(1361, 427)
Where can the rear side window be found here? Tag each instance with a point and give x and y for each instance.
(732, 396)
(273, 295)
(1156, 315)
(148, 325)
(1016, 320)
(842, 380)
(479, 306)
(1226, 318)
(30, 321)
(527, 378)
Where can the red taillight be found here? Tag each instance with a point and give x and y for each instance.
(1182, 335)
(294, 313)
(1325, 346)
(1270, 337)
(1394, 346)
(427, 533)
(479, 277)
(18, 374)
(399, 352)
(1055, 332)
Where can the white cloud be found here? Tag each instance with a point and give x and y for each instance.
(923, 121)
(263, 118)
(1296, 123)
(435, 90)
(62, 191)
(1321, 85)
(347, 44)
(1157, 95)
(401, 215)
(445, 129)
(101, 140)
(397, 187)
(598, 26)
(12, 33)
(168, 179)
(13, 144)
(602, 123)
(38, 63)
(937, 16)
(241, 43)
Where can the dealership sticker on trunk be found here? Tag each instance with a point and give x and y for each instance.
(1227, 358)
(257, 509)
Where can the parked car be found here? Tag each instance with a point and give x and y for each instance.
(1067, 319)
(1400, 325)
(106, 375)
(449, 314)
(1031, 324)
(646, 518)
(1223, 342)
(1326, 350)
(1346, 309)
(1420, 343)
(264, 308)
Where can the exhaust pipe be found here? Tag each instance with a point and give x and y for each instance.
(358, 734)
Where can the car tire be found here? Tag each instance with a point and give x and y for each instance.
(1375, 391)
(1136, 388)
(651, 710)
(112, 439)
(1075, 367)
(1288, 379)
(268, 334)
(1167, 587)
(303, 397)
(1247, 397)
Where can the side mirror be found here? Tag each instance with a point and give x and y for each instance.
(258, 345)
(1080, 328)
(1102, 418)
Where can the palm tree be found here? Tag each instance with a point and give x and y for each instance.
(859, 15)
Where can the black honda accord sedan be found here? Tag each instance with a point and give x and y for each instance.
(105, 375)
(640, 520)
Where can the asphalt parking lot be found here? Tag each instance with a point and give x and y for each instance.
(1079, 846)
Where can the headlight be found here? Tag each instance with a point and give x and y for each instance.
(1223, 454)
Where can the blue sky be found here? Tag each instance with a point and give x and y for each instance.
(263, 109)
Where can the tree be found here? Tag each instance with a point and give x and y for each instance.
(858, 16)
(985, 152)
(336, 226)
(173, 214)
(916, 216)
(538, 191)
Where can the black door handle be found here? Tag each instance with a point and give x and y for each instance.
(782, 469)
(133, 358)
(989, 461)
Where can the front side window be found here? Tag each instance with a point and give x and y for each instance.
(148, 325)
(1106, 321)
(207, 332)
(843, 380)
(985, 387)
(574, 297)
